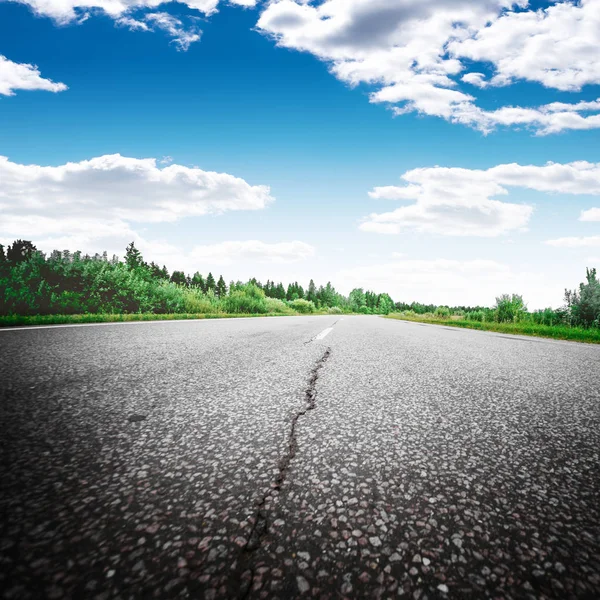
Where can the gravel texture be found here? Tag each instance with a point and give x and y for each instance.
(232, 459)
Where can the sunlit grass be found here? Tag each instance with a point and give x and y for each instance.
(17, 320)
(558, 332)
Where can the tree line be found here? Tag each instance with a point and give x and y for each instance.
(64, 282)
(581, 309)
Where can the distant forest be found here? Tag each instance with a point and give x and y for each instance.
(65, 282)
(69, 283)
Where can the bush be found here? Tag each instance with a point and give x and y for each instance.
(274, 305)
(197, 303)
(475, 315)
(442, 312)
(335, 310)
(548, 317)
(302, 306)
(249, 299)
(509, 309)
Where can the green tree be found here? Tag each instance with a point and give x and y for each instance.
(155, 270)
(198, 281)
(210, 283)
(280, 291)
(385, 304)
(3, 262)
(357, 299)
(133, 257)
(19, 251)
(221, 291)
(178, 277)
(311, 294)
(509, 308)
(584, 304)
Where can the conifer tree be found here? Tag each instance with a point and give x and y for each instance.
(210, 283)
(19, 251)
(178, 277)
(221, 288)
(198, 281)
(312, 292)
(133, 257)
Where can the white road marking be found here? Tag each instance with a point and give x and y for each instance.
(324, 333)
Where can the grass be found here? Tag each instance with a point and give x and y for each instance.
(18, 320)
(557, 332)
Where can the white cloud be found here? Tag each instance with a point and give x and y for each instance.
(100, 199)
(22, 76)
(99, 204)
(131, 189)
(576, 242)
(251, 250)
(182, 37)
(557, 46)
(413, 52)
(69, 11)
(451, 282)
(592, 214)
(126, 14)
(460, 202)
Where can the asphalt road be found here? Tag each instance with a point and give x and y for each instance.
(250, 459)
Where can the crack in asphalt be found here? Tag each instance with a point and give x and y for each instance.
(261, 524)
(310, 396)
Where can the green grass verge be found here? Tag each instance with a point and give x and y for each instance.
(558, 332)
(17, 320)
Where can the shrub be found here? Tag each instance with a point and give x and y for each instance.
(197, 303)
(489, 315)
(249, 299)
(442, 312)
(475, 315)
(274, 305)
(335, 310)
(302, 306)
(548, 316)
(509, 309)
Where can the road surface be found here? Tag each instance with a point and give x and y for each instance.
(297, 457)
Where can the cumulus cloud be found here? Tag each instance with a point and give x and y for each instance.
(225, 253)
(462, 202)
(126, 13)
(414, 53)
(23, 76)
(557, 46)
(100, 204)
(69, 11)
(96, 201)
(592, 214)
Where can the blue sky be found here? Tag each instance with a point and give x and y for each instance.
(272, 95)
